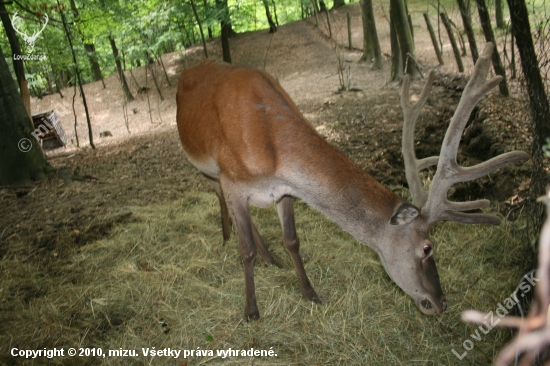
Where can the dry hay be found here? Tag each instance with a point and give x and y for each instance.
(164, 279)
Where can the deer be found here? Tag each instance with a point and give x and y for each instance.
(244, 133)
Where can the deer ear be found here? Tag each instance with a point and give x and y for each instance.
(405, 214)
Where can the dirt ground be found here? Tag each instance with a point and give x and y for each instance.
(53, 218)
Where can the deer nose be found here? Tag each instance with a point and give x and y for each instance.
(443, 304)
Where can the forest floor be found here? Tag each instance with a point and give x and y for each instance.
(365, 124)
(143, 163)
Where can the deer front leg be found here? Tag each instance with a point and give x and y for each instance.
(238, 207)
(285, 209)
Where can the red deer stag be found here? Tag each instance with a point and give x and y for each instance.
(244, 133)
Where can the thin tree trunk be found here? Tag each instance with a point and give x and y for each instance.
(155, 81)
(367, 39)
(451, 35)
(467, 22)
(499, 15)
(78, 78)
(513, 56)
(490, 37)
(316, 12)
(75, 118)
(329, 25)
(200, 27)
(225, 29)
(403, 30)
(396, 60)
(125, 88)
(371, 26)
(434, 39)
(275, 13)
(94, 65)
(164, 69)
(348, 17)
(272, 26)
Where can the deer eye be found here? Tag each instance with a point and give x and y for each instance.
(427, 250)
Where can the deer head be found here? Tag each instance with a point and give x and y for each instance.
(433, 205)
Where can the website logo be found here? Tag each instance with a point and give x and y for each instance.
(30, 40)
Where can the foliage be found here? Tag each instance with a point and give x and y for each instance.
(139, 27)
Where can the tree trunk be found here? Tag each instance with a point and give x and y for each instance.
(78, 78)
(452, 39)
(14, 43)
(367, 39)
(22, 159)
(18, 66)
(370, 28)
(272, 26)
(403, 30)
(538, 100)
(316, 12)
(94, 64)
(200, 27)
(538, 104)
(467, 22)
(275, 13)
(434, 39)
(226, 29)
(155, 80)
(499, 15)
(396, 60)
(490, 37)
(125, 88)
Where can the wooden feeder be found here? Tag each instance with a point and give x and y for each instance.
(48, 130)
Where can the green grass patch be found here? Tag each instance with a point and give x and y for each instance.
(166, 280)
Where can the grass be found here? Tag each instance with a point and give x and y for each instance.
(166, 280)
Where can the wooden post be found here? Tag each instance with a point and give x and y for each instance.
(456, 51)
(434, 39)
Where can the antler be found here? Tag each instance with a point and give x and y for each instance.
(434, 203)
(35, 34)
(24, 35)
(534, 331)
(412, 164)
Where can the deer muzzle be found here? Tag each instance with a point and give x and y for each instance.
(432, 306)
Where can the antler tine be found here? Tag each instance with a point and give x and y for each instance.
(14, 27)
(438, 208)
(44, 26)
(412, 164)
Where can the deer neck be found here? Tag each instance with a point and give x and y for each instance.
(339, 189)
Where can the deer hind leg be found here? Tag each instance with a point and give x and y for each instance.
(226, 228)
(285, 209)
(238, 207)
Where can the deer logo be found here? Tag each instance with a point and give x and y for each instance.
(30, 40)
